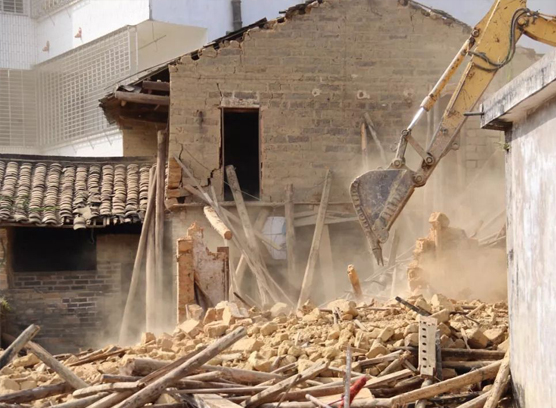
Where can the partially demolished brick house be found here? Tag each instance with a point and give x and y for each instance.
(68, 233)
(285, 100)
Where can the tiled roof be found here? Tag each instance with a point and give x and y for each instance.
(83, 192)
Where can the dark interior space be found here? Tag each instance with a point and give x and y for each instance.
(240, 134)
(53, 249)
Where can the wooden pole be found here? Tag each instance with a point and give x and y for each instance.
(217, 223)
(485, 373)
(242, 209)
(478, 402)
(364, 149)
(34, 394)
(275, 390)
(500, 383)
(159, 223)
(136, 274)
(242, 264)
(150, 286)
(289, 213)
(315, 245)
(326, 264)
(81, 403)
(48, 359)
(157, 387)
(18, 344)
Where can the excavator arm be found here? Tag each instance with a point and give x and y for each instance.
(379, 196)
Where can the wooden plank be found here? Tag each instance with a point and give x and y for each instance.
(214, 401)
(16, 346)
(500, 383)
(485, 373)
(142, 98)
(328, 220)
(326, 264)
(65, 373)
(157, 387)
(150, 285)
(217, 223)
(239, 273)
(289, 213)
(233, 182)
(156, 86)
(315, 245)
(34, 394)
(159, 221)
(125, 327)
(275, 390)
(478, 402)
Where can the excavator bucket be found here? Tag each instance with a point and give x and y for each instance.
(378, 197)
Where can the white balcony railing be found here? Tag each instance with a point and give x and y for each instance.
(40, 8)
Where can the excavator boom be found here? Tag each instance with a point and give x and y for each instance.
(379, 196)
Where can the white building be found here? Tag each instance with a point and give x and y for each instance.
(59, 57)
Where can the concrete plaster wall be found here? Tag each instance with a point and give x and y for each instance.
(531, 199)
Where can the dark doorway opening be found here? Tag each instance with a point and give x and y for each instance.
(240, 137)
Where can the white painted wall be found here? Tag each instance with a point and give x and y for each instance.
(96, 19)
(160, 42)
(17, 40)
(253, 10)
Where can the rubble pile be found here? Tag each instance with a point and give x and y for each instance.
(255, 357)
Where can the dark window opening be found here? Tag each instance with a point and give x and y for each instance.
(53, 250)
(240, 134)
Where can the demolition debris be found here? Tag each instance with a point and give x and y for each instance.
(441, 352)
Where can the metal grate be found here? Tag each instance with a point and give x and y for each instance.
(40, 8)
(18, 109)
(12, 6)
(70, 86)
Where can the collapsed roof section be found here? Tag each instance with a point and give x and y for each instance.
(73, 191)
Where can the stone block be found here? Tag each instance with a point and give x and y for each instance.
(215, 329)
(442, 316)
(477, 339)
(191, 327)
(412, 340)
(269, 328)
(246, 345)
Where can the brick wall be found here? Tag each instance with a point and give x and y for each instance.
(74, 308)
(139, 138)
(313, 77)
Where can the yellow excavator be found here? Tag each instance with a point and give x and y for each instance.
(380, 195)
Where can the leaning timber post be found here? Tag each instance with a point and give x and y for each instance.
(125, 327)
(159, 212)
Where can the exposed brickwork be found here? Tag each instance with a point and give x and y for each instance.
(313, 77)
(139, 138)
(74, 308)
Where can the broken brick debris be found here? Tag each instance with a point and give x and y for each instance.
(279, 345)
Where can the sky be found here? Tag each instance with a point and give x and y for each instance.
(471, 11)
